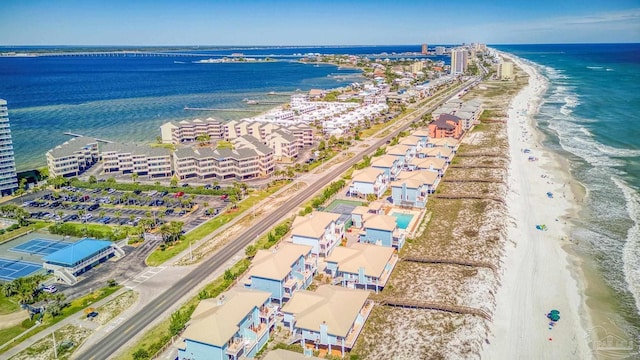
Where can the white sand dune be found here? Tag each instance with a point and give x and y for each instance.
(538, 275)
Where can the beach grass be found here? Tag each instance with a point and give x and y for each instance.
(74, 306)
(461, 229)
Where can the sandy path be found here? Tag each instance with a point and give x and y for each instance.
(13, 318)
(537, 275)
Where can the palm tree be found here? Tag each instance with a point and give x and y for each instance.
(134, 177)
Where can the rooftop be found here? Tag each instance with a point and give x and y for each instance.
(313, 225)
(77, 252)
(215, 321)
(368, 174)
(276, 264)
(381, 222)
(335, 306)
(372, 258)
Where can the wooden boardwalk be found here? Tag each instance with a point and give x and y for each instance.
(484, 154)
(415, 304)
(474, 180)
(477, 166)
(470, 263)
(468, 197)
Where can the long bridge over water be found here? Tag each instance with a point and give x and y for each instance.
(132, 53)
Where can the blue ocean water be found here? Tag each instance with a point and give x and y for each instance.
(590, 114)
(127, 98)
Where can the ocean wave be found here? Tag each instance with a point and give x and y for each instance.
(631, 251)
(576, 139)
(595, 67)
(617, 152)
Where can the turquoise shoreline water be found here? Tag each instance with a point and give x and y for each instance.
(586, 116)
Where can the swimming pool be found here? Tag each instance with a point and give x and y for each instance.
(402, 220)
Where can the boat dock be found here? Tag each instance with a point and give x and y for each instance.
(80, 135)
(263, 102)
(215, 109)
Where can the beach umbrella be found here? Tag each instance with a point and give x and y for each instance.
(554, 312)
(554, 316)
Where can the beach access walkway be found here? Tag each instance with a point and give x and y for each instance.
(416, 304)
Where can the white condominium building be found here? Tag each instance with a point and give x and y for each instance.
(72, 157)
(8, 178)
(136, 159)
(459, 61)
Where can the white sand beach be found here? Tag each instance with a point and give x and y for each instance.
(538, 274)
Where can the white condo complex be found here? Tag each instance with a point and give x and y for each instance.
(8, 178)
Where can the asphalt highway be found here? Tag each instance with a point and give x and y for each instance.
(117, 338)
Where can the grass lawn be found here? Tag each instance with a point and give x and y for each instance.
(158, 257)
(23, 230)
(75, 306)
(7, 305)
(9, 333)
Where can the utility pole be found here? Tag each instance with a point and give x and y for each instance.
(55, 348)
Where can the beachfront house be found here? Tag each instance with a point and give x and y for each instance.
(403, 152)
(423, 134)
(449, 143)
(233, 326)
(320, 230)
(416, 142)
(434, 164)
(382, 230)
(412, 188)
(390, 164)
(368, 181)
(437, 152)
(362, 266)
(282, 271)
(331, 317)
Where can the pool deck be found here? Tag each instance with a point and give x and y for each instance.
(415, 220)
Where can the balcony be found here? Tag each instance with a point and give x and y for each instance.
(235, 347)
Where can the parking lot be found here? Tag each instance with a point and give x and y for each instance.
(114, 207)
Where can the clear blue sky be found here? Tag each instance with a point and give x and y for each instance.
(311, 22)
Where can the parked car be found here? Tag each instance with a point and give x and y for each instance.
(50, 289)
(168, 212)
(92, 314)
(178, 194)
(224, 197)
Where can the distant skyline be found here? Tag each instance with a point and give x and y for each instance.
(330, 22)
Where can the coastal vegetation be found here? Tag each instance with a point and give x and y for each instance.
(56, 311)
(461, 229)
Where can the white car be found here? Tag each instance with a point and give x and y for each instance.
(50, 289)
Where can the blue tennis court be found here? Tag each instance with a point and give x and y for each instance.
(13, 269)
(41, 246)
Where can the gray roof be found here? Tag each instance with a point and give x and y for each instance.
(257, 145)
(72, 146)
(217, 154)
(135, 149)
(286, 135)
